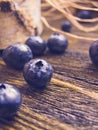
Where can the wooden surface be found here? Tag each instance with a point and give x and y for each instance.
(58, 107)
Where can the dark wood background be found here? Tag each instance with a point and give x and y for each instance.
(58, 107)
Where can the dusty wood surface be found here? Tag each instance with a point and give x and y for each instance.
(58, 107)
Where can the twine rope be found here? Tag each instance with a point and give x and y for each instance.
(58, 9)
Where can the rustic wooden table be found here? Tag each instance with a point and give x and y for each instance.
(70, 101)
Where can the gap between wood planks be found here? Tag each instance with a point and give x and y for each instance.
(92, 94)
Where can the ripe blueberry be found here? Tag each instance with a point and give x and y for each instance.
(84, 14)
(37, 72)
(10, 99)
(66, 26)
(57, 43)
(93, 52)
(1, 51)
(15, 56)
(36, 44)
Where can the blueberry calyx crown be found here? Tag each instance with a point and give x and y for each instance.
(39, 64)
(2, 86)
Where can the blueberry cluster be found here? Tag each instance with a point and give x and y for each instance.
(36, 72)
(15, 56)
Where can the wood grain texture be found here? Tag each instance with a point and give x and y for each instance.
(57, 107)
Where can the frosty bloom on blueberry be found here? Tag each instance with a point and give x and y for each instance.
(37, 45)
(15, 56)
(10, 99)
(66, 26)
(84, 14)
(37, 72)
(57, 43)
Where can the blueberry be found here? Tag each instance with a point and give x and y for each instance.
(10, 99)
(15, 56)
(37, 72)
(66, 26)
(37, 45)
(93, 52)
(84, 14)
(1, 51)
(57, 43)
